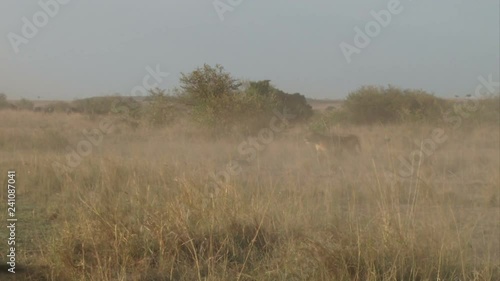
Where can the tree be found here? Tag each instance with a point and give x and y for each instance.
(212, 91)
(207, 83)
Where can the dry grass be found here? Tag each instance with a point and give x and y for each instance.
(140, 206)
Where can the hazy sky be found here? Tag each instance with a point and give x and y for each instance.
(92, 47)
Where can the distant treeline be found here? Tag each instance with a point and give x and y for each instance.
(211, 97)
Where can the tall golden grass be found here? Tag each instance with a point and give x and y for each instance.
(139, 206)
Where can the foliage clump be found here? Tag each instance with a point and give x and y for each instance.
(212, 93)
(109, 104)
(61, 106)
(384, 105)
(24, 104)
(222, 102)
(161, 109)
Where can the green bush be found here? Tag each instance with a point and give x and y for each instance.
(219, 102)
(112, 104)
(297, 105)
(372, 104)
(258, 102)
(262, 97)
(94, 105)
(212, 92)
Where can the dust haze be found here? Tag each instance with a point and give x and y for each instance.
(216, 176)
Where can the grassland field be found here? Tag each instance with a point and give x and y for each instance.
(141, 205)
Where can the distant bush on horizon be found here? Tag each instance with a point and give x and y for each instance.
(24, 104)
(372, 104)
(105, 105)
(387, 105)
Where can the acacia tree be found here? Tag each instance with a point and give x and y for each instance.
(212, 91)
(207, 83)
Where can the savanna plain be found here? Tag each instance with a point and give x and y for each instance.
(148, 203)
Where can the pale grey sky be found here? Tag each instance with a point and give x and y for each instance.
(92, 47)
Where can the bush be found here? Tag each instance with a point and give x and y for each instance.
(258, 102)
(60, 106)
(372, 104)
(25, 104)
(161, 109)
(475, 112)
(220, 104)
(112, 104)
(3, 101)
(262, 97)
(297, 105)
(126, 107)
(489, 110)
(253, 107)
(212, 92)
(94, 105)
